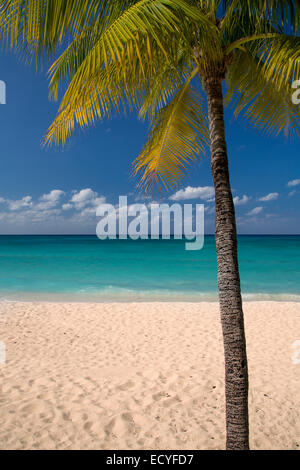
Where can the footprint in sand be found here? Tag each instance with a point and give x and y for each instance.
(123, 424)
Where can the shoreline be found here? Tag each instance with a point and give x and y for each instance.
(142, 376)
(57, 298)
(142, 302)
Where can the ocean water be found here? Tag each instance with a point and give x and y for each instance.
(83, 268)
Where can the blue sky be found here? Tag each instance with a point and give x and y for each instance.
(48, 191)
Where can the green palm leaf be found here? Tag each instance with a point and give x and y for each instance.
(38, 26)
(123, 40)
(264, 101)
(178, 134)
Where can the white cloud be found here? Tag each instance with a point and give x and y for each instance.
(67, 207)
(87, 197)
(20, 204)
(255, 211)
(50, 200)
(83, 197)
(293, 183)
(202, 192)
(51, 205)
(241, 201)
(88, 211)
(292, 193)
(99, 200)
(52, 212)
(38, 215)
(45, 202)
(53, 196)
(269, 197)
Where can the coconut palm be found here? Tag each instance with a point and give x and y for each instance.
(163, 57)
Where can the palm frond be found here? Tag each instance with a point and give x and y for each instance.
(121, 40)
(36, 27)
(284, 15)
(178, 135)
(102, 92)
(281, 58)
(252, 92)
(159, 89)
(64, 68)
(109, 65)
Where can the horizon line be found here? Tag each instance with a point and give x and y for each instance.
(94, 235)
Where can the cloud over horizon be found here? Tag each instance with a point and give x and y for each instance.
(56, 207)
(65, 212)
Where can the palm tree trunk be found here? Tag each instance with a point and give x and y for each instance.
(232, 318)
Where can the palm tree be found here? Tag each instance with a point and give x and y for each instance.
(150, 54)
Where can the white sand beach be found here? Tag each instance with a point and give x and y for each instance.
(141, 376)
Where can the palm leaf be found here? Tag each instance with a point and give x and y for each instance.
(122, 40)
(115, 63)
(36, 27)
(281, 58)
(267, 104)
(104, 90)
(282, 14)
(178, 134)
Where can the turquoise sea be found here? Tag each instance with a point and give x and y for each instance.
(83, 268)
